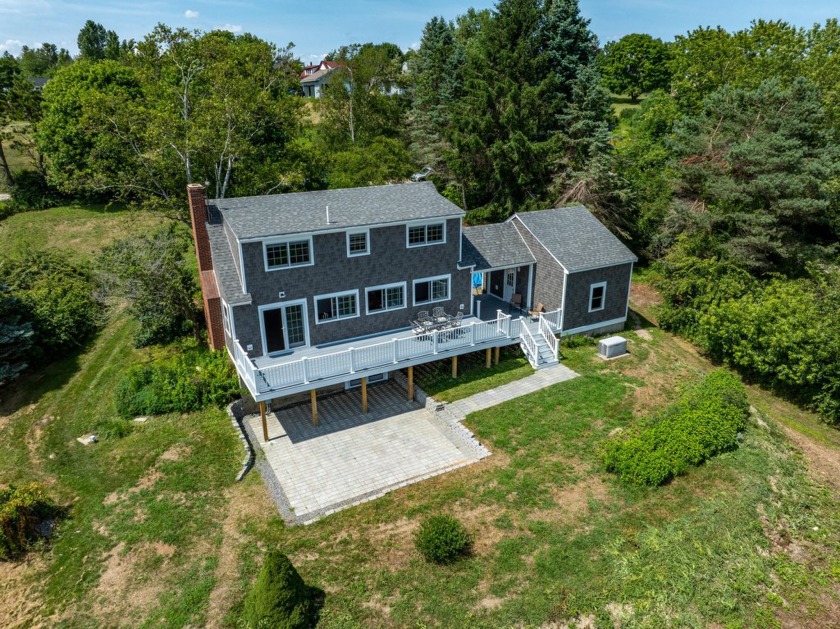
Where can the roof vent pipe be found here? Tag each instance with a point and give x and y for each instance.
(328, 215)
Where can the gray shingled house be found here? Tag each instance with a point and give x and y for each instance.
(340, 287)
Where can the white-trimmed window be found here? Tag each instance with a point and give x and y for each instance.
(336, 306)
(226, 318)
(358, 243)
(597, 296)
(286, 254)
(422, 234)
(431, 289)
(385, 298)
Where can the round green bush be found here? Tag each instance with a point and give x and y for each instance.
(280, 599)
(442, 539)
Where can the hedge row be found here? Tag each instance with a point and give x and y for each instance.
(705, 422)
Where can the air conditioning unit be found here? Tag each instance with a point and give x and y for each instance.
(612, 347)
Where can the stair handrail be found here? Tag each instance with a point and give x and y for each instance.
(530, 345)
(548, 334)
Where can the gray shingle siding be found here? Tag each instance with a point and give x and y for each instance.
(548, 274)
(389, 261)
(576, 312)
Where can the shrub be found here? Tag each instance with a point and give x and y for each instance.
(279, 599)
(578, 340)
(191, 380)
(32, 192)
(705, 422)
(442, 539)
(22, 509)
(58, 297)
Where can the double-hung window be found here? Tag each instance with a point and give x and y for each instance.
(384, 298)
(287, 254)
(358, 243)
(426, 234)
(336, 306)
(597, 296)
(431, 289)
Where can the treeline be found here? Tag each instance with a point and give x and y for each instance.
(732, 180)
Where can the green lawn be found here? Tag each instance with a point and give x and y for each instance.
(473, 374)
(158, 532)
(78, 230)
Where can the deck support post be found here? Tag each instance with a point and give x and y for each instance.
(364, 395)
(264, 422)
(313, 395)
(498, 350)
(489, 357)
(411, 383)
(454, 366)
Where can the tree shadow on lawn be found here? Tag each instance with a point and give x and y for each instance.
(39, 380)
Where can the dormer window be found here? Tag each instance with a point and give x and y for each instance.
(420, 235)
(287, 254)
(358, 243)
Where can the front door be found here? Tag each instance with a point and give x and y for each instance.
(510, 282)
(284, 327)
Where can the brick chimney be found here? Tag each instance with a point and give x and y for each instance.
(209, 289)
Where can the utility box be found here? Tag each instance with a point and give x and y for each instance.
(612, 347)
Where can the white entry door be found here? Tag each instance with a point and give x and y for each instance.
(510, 282)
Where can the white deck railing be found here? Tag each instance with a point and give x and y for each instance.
(308, 369)
(530, 345)
(554, 318)
(547, 332)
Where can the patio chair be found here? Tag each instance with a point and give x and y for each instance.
(536, 312)
(455, 322)
(417, 327)
(423, 316)
(439, 315)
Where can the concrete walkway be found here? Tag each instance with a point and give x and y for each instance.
(351, 457)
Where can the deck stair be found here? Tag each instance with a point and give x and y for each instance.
(536, 346)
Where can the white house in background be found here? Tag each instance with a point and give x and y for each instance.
(314, 77)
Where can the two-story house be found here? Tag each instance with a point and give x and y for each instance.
(313, 289)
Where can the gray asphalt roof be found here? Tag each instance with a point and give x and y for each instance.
(576, 238)
(298, 212)
(494, 246)
(227, 278)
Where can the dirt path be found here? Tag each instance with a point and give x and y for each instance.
(823, 460)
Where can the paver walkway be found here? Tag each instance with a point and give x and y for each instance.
(351, 457)
(536, 381)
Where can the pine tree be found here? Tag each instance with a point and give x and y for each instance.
(280, 599)
(15, 337)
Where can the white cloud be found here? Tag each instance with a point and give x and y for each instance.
(233, 28)
(12, 46)
(190, 14)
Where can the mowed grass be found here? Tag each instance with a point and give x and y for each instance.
(473, 374)
(80, 231)
(159, 533)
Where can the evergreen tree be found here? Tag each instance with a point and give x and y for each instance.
(279, 599)
(15, 337)
(761, 161)
(92, 41)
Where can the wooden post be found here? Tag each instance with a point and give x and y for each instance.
(489, 357)
(411, 383)
(313, 395)
(264, 422)
(364, 395)
(454, 366)
(498, 350)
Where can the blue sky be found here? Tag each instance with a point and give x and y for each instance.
(319, 26)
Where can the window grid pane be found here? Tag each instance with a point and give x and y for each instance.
(434, 233)
(278, 255)
(299, 252)
(417, 235)
(440, 288)
(346, 305)
(597, 298)
(358, 243)
(394, 297)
